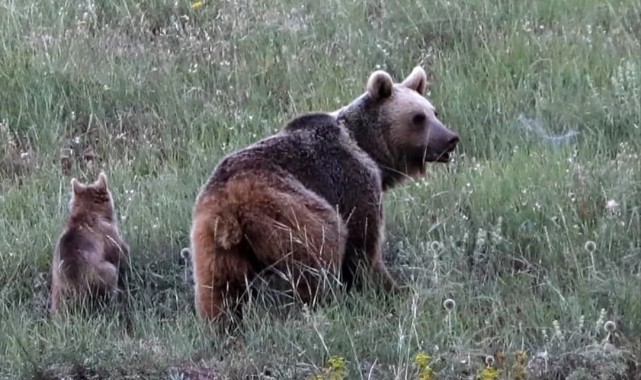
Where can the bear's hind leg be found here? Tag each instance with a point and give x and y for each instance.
(220, 276)
(222, 291)
(294, 231)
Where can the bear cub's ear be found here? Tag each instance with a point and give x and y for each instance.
(417, 80)
(76, 186)
(101, 183)
(379, 85)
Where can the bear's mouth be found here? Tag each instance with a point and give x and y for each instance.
(443, 157)
(418, 157)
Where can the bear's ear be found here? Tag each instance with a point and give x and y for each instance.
(76, 186)
(417, 80)
(379, 85)
(102, 180)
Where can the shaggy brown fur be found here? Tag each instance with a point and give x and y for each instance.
(311, 195)
(91, 259)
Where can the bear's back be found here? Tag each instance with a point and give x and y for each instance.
(315, 150)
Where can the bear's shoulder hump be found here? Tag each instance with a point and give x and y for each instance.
(311, 121)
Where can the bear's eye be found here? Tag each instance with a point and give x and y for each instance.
(419, 118)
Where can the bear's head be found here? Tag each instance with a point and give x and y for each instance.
(398, 126)
(94, 198)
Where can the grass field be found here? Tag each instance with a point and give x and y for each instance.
(536, 239)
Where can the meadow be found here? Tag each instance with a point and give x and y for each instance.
(532, 233)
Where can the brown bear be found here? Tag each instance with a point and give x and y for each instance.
(308, 200)
(91, 259)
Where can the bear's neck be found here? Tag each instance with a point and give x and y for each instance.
(372, 139)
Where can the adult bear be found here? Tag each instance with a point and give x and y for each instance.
(308, 200)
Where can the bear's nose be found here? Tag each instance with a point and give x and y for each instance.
(453, 140)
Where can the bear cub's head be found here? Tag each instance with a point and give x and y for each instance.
(92, 198)
(398, 126)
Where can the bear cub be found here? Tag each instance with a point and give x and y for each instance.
(308, 199)
(90, 262)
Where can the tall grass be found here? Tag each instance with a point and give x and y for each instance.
(538, 244)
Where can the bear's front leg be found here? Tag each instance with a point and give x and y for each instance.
(374, 256)
(54, 298)
(364, 250)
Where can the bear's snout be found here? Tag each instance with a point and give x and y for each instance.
(441, 141)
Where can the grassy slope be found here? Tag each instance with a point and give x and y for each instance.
(157, 98)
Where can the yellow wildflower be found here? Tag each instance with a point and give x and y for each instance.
(336, 363)
(337, 370)
(489, 373)
(423, 360)
(196, 5)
